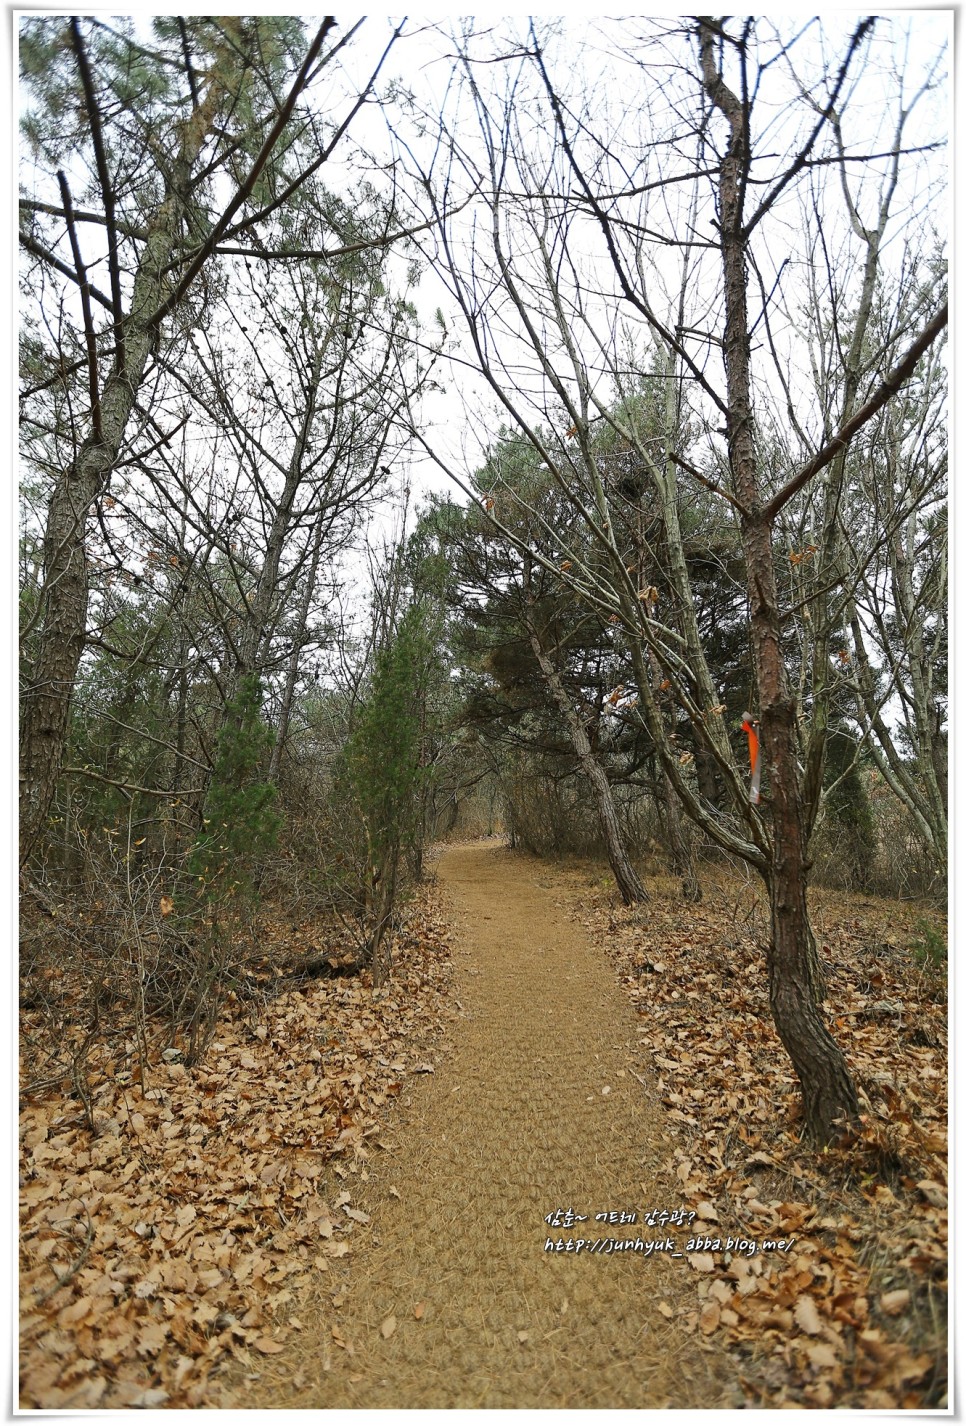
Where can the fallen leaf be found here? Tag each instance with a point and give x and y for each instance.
(806, 1315)
(388, 1327)
(933, 1192)
(418, 1310)
(821, 1355)
(76, 1312)
(701, 1262)
(268, 1346)
(154, 1397)
(892, 1303)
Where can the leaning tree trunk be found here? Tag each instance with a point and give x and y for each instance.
(63, 633)
(629, 884)
(793, 970)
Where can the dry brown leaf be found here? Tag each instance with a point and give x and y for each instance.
(821, 1355)
(702, 1262)
(76, 1312)
(268, 1346)
(151, 1339)
(388, 1327)
(933, 1192)
(879, 1400)
(807, 1316)
(892, 1303)
(155, 1396)
(419, 1310)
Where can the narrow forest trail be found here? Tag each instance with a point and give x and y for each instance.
(534, 1110)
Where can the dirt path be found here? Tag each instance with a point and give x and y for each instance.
(535, 1110)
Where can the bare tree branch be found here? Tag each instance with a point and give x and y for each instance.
(104, 179)
(90, 336)
(886, 389)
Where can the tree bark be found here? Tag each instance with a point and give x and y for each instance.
(829, 1096)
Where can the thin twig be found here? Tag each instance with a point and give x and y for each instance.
(75, 1267)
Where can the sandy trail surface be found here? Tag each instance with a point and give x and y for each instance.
(452, 1299)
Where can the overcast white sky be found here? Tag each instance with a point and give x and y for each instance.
(459, 422)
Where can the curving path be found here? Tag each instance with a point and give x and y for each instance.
(513, 1125)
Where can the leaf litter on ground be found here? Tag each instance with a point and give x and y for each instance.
(852, 1313)
(171, 1240)
(167, 1226)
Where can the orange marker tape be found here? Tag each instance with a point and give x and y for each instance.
(750, 726)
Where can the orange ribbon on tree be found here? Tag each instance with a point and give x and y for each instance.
(750, 726)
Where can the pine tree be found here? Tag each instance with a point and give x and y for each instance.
(240, 823)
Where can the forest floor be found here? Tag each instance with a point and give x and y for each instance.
(347, 1203)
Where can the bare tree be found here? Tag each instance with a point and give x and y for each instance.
(691, 209)
(538, 637)
(891, 662)
(223, 103)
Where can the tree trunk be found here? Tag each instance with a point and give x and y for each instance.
(383, 904)
(292, 672)
(794, 974)
(829, 1096)
(629, 884)
(682, 856)
(679, 845)
(63, 633)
